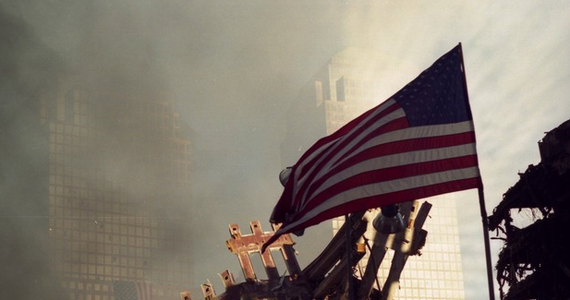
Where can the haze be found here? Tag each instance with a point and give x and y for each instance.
(233, 69)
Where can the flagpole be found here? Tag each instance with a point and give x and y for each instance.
(487, 243)
(484, 218)
(350, 280)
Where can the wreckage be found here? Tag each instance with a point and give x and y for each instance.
(327, 277)
(535, 260)
(533, 264)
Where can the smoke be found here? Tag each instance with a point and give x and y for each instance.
(26, 66)
(232, 70)
(227, 68)
(45, 46)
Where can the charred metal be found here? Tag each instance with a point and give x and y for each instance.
(326, 277)
(535, 260)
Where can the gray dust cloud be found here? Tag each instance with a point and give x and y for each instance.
(231, 71)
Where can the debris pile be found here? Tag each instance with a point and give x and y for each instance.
(535, 260)
(327, 277)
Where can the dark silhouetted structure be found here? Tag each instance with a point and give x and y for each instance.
(535, 260)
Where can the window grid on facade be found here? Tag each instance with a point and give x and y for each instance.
(98, 231)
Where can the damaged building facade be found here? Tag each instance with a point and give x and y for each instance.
(535, 260)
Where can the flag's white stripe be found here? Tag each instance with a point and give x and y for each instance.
(298, 176)
(403, 135)
(317, 152)
(393, 136)
(399, 185)
(395, 160)
(401, 158)
(399, 113)
(386, 187)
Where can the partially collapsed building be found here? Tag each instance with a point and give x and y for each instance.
(535, 260)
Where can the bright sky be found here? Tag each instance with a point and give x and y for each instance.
(235, 67)
(517, 63)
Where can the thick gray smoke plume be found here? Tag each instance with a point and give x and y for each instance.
(233, 68)
(26, 66)
(228, 68)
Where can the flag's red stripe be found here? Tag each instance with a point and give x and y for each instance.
(388, 174)
(347, 128)
(310, 170)
(284, 204)
(400, 146)
(386, 199)
(349, 136)
(331, 157)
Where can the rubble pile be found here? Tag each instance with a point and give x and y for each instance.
(535, 260)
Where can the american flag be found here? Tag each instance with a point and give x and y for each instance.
(418, 143)
(132, 290)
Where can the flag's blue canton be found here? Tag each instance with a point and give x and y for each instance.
(438, 95)
(125, 290)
